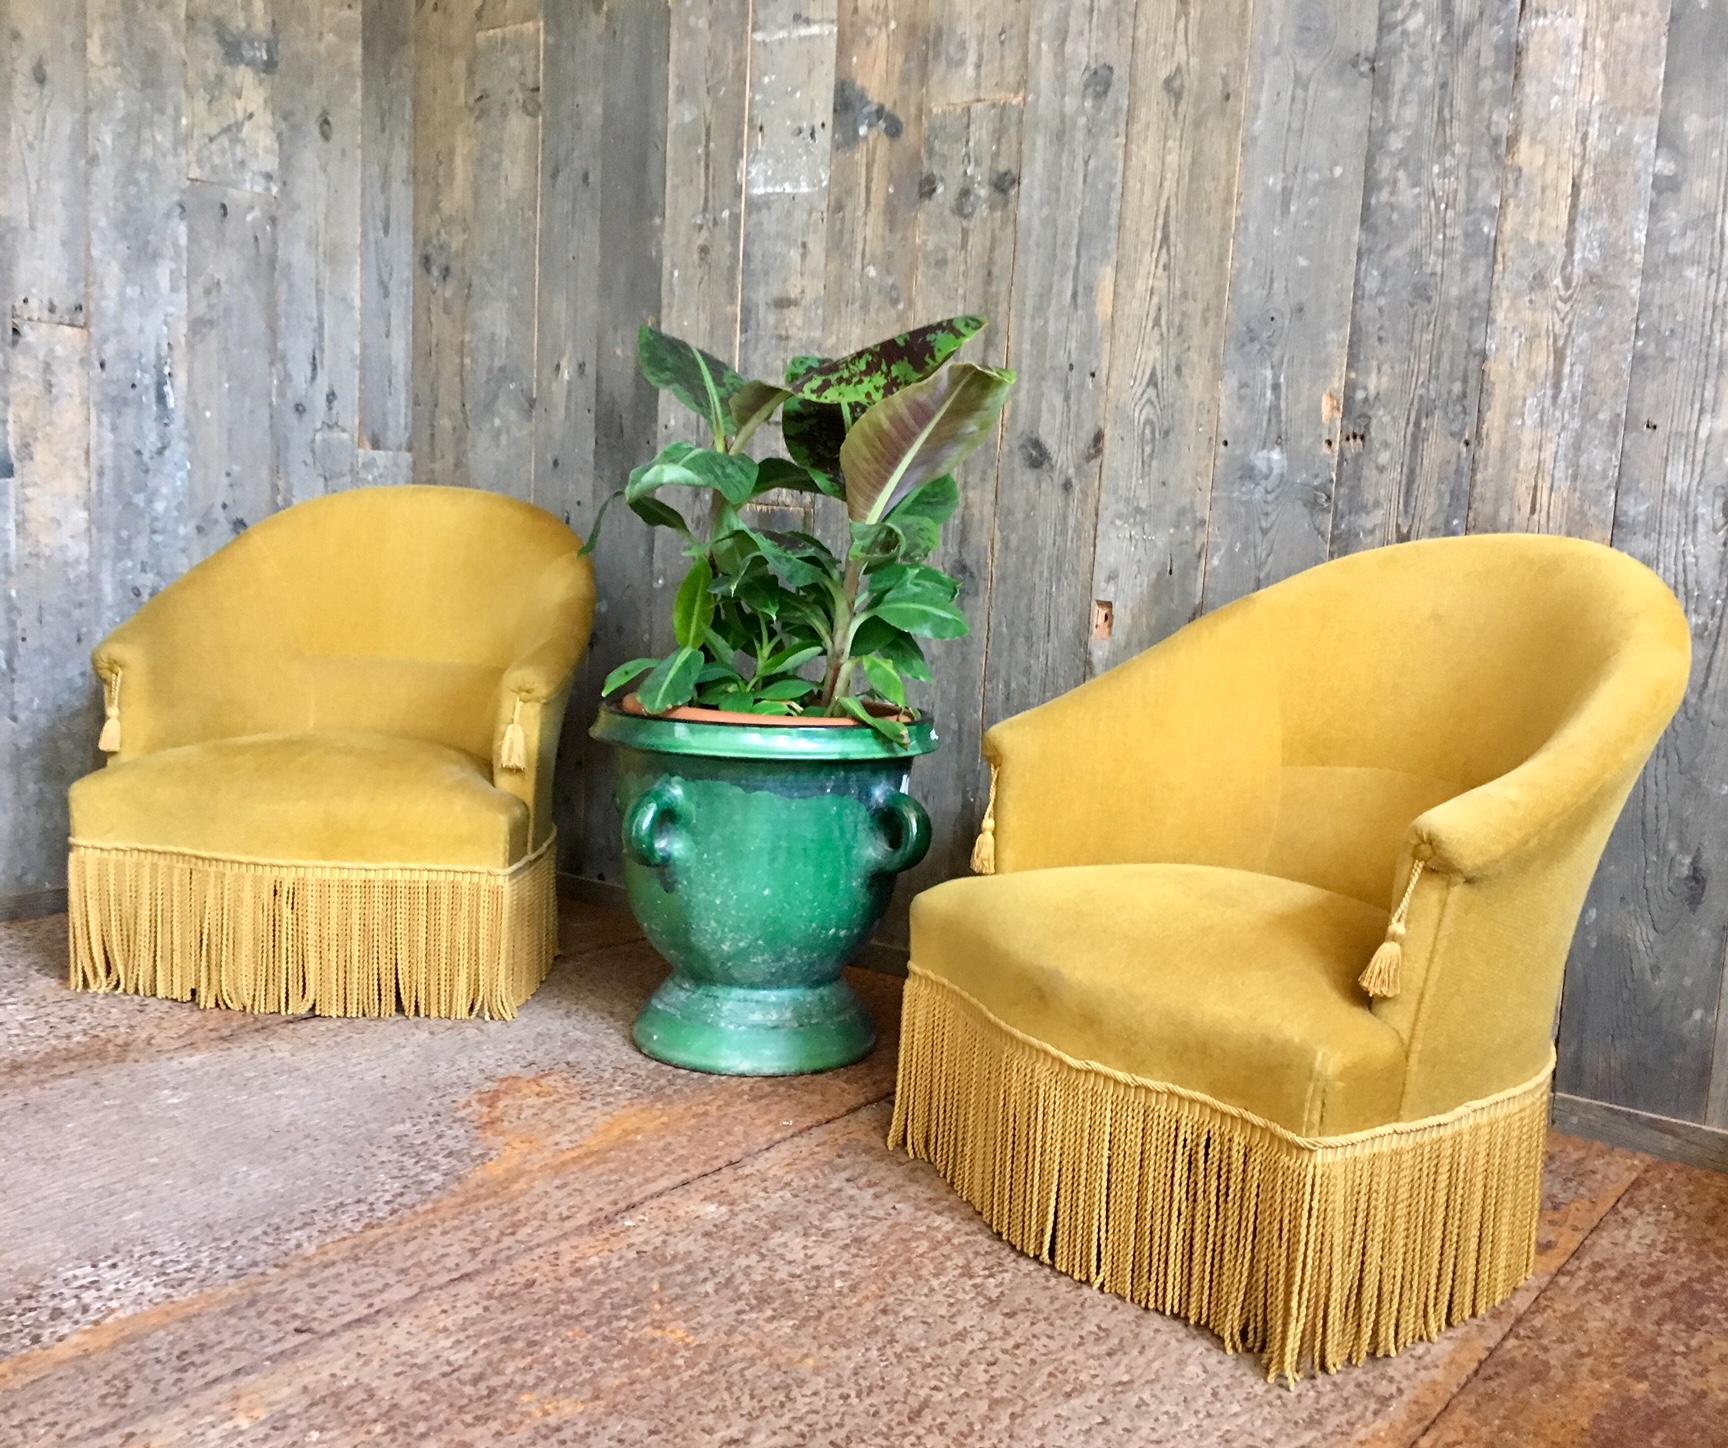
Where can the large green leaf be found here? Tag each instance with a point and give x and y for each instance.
(878, 636)
(731, 404)
(814, 431)
(681, 465)
(672, 683)
(919, 433)
(624, 673)
(693, 608)
(863, 378)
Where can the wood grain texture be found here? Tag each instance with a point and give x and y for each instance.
(444, 46)
(230, 330)
(1424, 263)
(1305, 141)
(233, 51)
(573, 68)
(1568, 266)
(386, 224)
(319, 106)
(46, 189)
(1072, 141)
(1167, 331)
(137, 302)
(1642, 1016)
(626, 409)
(503, 303)
(54, 705)
(966, 222)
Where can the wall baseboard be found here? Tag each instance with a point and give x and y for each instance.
(32, 904)
(878, 955)
(1663, 1136)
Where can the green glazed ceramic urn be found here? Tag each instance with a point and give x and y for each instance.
(758, 859)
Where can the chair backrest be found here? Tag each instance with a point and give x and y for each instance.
(394, 608)
(1409, 675)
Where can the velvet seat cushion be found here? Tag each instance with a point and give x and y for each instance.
(1238, 985)
(338, 796)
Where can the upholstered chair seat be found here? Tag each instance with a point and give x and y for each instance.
(1244, 984)
(1249, 1017)
(332, 747)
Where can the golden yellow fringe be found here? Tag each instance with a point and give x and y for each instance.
(333, 939)
(1310, 1250)
(984, 847)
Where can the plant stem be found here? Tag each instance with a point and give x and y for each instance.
(839, 666)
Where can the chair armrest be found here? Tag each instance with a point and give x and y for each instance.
(206, 658)
(1593, 755)
(1172, 757)
(536, 688)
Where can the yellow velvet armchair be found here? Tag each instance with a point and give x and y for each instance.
(332, 745)
(1252, 1021)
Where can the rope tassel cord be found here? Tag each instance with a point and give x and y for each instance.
(984, 847)
(109, 740)
(1313, 1251)
(513, 750)
(1384, 976)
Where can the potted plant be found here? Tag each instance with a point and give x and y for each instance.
(764, 762)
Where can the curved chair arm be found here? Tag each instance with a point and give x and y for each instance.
(536, 688)
(1484, 830)
(203, 659)
(1506, 869)
(1171, 757)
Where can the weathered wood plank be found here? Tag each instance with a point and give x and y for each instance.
(1566, 272)
(964, 237)
(496, 14)
(876, 163)
(373, 469)
(230, 349)
(707, 101)
(977, 51)
(1064, 296)
(573, 71)
(501, 309)
(570, 265)
(1424, 264)
(10, 226)
(233, 51)
(786, 173)
(386, 224)
(43, 127)
(786, 182)
(444, 39)
(1310, 89)
(55, 703)
(137, 310)
(631, 202)
(1642, 1007)
(1167, 334)
(317, 94)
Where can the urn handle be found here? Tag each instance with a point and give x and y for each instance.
(908, 827)
(647, 821)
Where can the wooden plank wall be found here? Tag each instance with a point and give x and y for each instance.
(1284, 279)
(204, 249)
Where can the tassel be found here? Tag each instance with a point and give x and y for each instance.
(109, 740)
(513, 752)
(1382, 978)
(984, 847)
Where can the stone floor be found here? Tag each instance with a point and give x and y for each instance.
(237, 1230)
